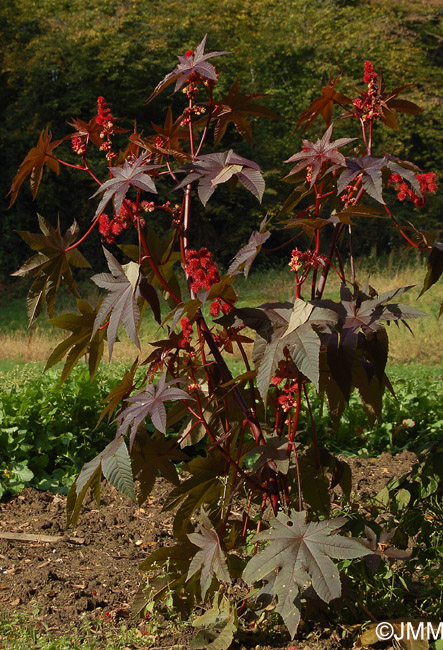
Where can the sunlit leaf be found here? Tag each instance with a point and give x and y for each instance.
(215, 168)
(121, 301)
(193, 62)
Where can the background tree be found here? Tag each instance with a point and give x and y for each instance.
(58, 58)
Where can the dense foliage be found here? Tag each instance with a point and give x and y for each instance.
(261, 480)
(56, 59)
(47, 433)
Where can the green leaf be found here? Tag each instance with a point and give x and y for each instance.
(217, 626)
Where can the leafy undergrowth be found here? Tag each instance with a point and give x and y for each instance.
(49, 432)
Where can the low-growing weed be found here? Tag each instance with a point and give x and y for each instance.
(47, 432)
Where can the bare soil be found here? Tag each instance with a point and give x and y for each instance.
(98, 577)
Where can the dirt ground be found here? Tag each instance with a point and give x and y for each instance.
(93, 571)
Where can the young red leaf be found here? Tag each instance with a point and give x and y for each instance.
(33, 164)
(323, 105)
(235, 107)
(195, 61)
(51, 263)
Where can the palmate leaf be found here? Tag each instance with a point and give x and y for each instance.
(300, 552)
(115, 463)
(316, 154)
(88, 131)
(132, 174)
(121, 301)
(171, 132)
(80, 342)
(290, 328)
(370, 168)
(210, 559)
(196, 61)
(33, 164)
(372, 179)
(151, 456)
(359, 329)
(215, 168)
(50, 264)
(235, 107)
(323, 105)
(150, 401)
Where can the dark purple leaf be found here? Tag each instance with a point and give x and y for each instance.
(246, 255)
(210, 559)
(370, 168)
(132, 174)
(148, 292)
(150, 401)
(216, 168)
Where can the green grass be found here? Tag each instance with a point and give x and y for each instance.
(426, 346)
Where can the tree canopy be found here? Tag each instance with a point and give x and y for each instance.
(58, 57)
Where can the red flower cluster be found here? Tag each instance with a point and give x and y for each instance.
(112, 228)
(367, 103)
(427, 184)
(78, 146)
(201, 269)
(370, 75)
(186, 326)
(287, 401)
(298, 259)
(104, 116)
(218, 305)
